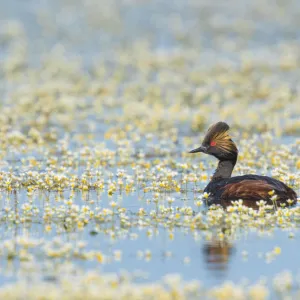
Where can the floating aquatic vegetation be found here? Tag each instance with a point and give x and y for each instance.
(98, 111)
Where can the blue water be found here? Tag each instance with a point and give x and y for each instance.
(150, 20)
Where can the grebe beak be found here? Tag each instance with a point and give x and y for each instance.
(200, 149)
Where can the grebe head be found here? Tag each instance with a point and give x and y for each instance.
(218, 143)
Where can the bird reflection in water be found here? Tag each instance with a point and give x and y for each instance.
(217, 256)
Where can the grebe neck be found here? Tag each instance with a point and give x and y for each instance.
(224, 169)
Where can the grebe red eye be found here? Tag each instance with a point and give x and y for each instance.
(213, 143)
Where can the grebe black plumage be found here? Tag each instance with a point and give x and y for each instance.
(223, 188)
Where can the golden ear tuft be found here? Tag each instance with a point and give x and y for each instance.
(218, 135)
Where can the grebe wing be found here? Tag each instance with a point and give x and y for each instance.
(252, 188)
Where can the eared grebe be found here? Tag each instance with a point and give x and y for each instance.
(223, 188)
